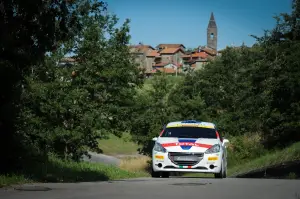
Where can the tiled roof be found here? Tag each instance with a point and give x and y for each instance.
(209, 51)
(201, 55)
(141, 46)
(153, 53)
(170, 45)
(170, 50)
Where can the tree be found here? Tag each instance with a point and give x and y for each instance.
(78, 105)
(185, 100)
(279, 83)
(28, 31)
(151, 113)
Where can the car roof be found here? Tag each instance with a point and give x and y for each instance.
(186, 123)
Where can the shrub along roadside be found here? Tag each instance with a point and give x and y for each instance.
(288, 154)
(6, 180)
(57, 170)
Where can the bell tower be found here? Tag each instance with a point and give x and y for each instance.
(212, 33)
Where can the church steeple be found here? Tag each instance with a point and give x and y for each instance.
(212, 33)
(212, 22)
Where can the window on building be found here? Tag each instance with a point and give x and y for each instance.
(211, 36)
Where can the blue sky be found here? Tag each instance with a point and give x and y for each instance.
(185, 21)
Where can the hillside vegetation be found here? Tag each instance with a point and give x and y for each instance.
(251, 93)
(114, 145)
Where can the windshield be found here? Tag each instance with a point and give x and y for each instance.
(190, 132)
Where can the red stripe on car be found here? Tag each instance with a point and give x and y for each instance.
(186, 144)
(160, 134)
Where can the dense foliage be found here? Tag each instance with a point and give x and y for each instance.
(28, 31)
(64, 110)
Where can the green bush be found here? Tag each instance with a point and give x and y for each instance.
(244, 148)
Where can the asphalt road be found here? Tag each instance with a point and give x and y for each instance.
(105, 159)
(147, 188)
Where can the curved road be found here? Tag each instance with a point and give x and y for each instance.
(147, 188)
(101, 158)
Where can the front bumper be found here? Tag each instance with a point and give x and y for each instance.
(209, 163)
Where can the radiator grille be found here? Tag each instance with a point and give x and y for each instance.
(198, 157)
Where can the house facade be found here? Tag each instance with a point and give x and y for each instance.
(172, 55)
(144, 56)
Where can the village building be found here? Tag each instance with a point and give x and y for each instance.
(173, 58)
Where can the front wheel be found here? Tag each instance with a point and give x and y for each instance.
(165, 175)
(222, 173)
(154, 174)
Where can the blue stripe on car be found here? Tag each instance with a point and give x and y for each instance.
(187, 140)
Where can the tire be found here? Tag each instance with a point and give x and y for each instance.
(155, 174)
(218, 175)
(225, 173)
(165, 174)
(222, 173)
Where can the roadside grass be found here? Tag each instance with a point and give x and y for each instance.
(135, 164)
(6, 180)
(291, 153)
(57, 170)
(115, 145)
(291, 175)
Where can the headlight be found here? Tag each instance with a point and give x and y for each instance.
(214, 149)
(159, 148)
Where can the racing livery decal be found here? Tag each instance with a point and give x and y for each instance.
(186, 144)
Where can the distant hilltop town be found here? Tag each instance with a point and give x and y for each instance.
(171, 58)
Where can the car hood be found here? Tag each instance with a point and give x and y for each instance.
(187, 144)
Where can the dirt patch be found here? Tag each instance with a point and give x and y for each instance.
(135, 163)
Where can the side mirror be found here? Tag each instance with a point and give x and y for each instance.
(225, 142)
(154, 139)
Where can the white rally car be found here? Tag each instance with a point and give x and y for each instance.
(189, 146)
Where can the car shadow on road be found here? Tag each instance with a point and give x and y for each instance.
(198, 177)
